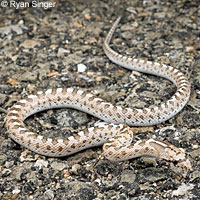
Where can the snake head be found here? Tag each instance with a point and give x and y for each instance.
(185, 164)
(171, 153)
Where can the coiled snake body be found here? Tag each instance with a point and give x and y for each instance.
(115, 133)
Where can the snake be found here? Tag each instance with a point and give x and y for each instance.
(115, 132)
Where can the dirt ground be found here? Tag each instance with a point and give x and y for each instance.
(59, 44)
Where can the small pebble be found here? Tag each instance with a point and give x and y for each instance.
(41, 163)
(81, 68)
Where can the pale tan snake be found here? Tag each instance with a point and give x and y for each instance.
(115, 133)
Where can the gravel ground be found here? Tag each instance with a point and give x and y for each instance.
(61, 47)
